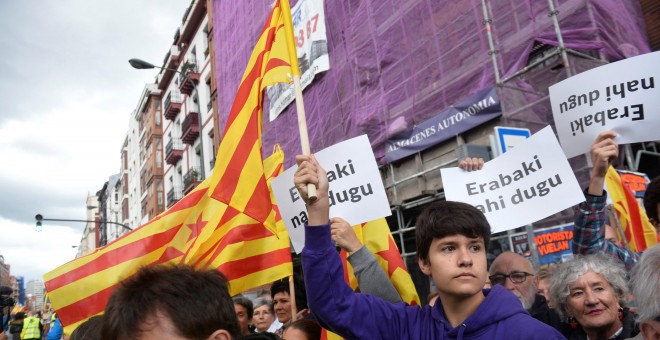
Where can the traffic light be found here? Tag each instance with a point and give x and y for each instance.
(38, 217)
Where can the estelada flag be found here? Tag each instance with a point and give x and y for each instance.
(636, 226)
(197, 231)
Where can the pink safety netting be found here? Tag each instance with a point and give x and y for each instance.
(394, 64)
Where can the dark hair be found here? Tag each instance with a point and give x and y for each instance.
(446, 218)
(19, 316)
(245, 302)
(652, 198)
(197, 302)
(261, 336)
(88, 330)
(311, 328)
(282, 286)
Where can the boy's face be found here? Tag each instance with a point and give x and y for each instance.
(457, 265)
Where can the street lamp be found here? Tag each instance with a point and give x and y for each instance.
(142, 65)
(40, 218)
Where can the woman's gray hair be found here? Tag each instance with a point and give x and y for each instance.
(645, 283)
(258, 302)
(567, 273)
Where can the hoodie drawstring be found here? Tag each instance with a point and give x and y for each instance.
(461, 331)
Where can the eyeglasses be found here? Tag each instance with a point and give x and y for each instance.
(515, 277)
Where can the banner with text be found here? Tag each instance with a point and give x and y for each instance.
(620, 96)
(554, 243)
(356, 189)
(473, 111)
(528, 183)
(312, 46)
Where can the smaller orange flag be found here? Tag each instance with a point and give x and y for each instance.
(636, 226)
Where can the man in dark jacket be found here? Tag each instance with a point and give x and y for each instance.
(515, 273)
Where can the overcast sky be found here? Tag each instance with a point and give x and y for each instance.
(66, 95)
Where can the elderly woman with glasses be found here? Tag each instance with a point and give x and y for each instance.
(590, 291)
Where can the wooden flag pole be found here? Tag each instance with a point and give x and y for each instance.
(297, 88)
(292, 298)
(302, 128)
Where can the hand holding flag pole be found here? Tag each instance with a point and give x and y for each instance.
(300, 105)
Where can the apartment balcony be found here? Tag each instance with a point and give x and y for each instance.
(172, 105)
(191, 179)
(190, 127)
(173, 151)
(189, 77)
(174, 195)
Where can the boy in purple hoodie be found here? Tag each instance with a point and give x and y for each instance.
(451, 248)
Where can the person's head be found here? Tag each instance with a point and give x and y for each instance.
(281, 300)
(515, 273)
(279, 291)
(645, 283)
(264, 294)
(610, 235)
(591, 290)
(19, 316)
(244, 312)
(303, 329)
(264, 315)
(543, 277)
(88, 330)
(652, 202)
(452, 240)
(177, 302)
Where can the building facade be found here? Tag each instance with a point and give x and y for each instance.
(394, 65)
(188, 125)
(90, 236)
(150, 121)
(34, 289)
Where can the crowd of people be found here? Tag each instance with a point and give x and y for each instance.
(605, 292)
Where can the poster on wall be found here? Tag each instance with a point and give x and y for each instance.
(554, 244)
(312, 46)
(521, 245)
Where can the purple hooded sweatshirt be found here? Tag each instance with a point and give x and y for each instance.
(362, 316)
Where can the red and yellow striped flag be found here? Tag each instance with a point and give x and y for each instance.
(274, 60)
(197, 231)
(637, 229)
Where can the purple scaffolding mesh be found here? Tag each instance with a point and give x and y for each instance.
(394, 64)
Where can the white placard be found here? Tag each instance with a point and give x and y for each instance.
(621, 96)
(356, 189)
(312, 49)
(528, 183)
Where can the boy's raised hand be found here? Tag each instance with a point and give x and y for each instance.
(310, 172)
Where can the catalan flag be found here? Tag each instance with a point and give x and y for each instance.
(274, 60)
(228, 222)
(637, 229)
(197, 231)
